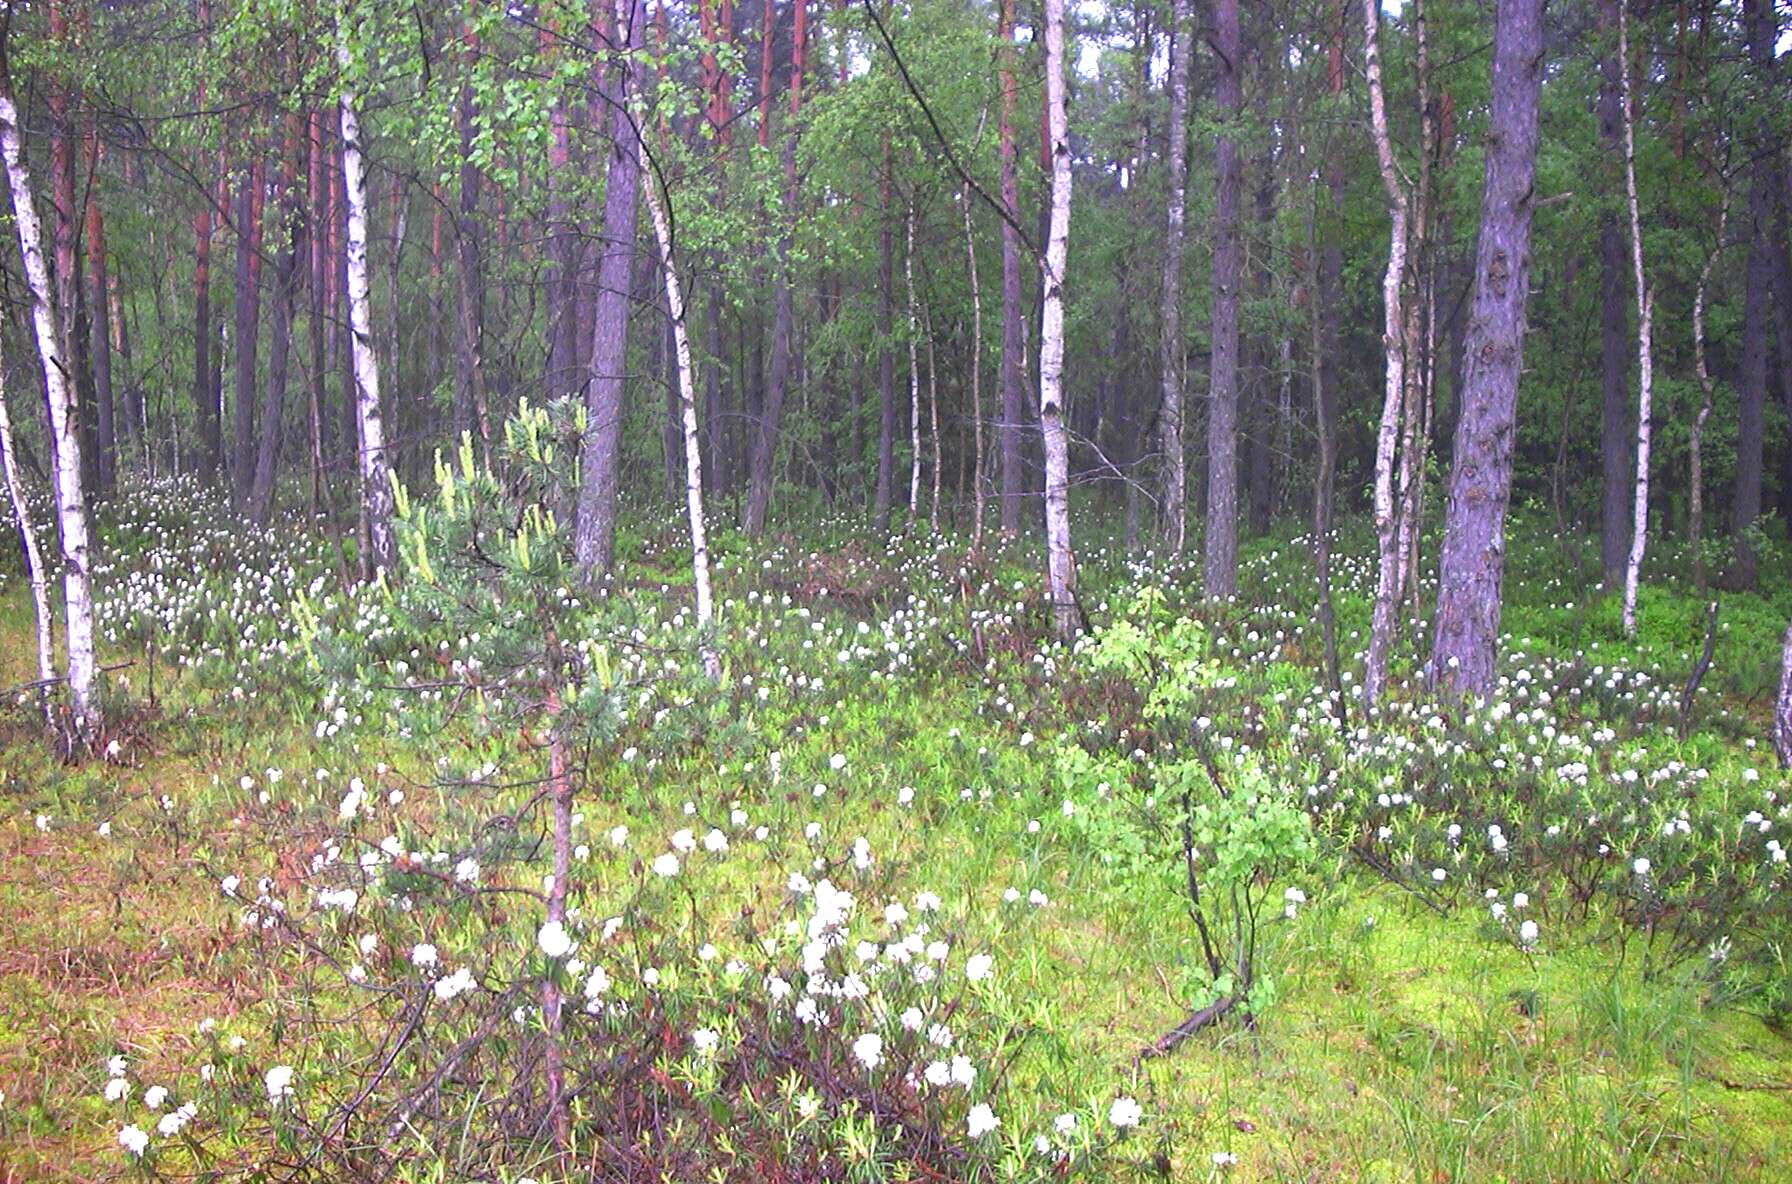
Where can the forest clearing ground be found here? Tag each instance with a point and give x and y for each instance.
(1406, 1046)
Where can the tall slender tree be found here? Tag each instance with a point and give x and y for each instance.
(249, 200)
(771, 415)
(1761, 31)
(71, 495)
(1645, 347)
(1615, 427)
(1220, 547)
(1170, 344)
(1060, 560)
(1013, 486)
(377, 493)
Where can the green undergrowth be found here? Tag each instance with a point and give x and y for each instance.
(1411, 1036)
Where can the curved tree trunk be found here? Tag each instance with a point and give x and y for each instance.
(693, 456)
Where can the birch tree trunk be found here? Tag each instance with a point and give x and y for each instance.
(71, 502)
(1782, 707)
(1645, 311)
(1060, 561)
(376, 470)
(34, 560)
(1387, 434)
(1695, 435)
(1471, 563)
(594, 542)
(1170, 346)
(693, 456)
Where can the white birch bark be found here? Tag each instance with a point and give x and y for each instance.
(1645, 307)
(1060, 560)
(1387, 435)
(34, 560)
(687, 405)
(71, 502)
(376, 470)
(1782, 711)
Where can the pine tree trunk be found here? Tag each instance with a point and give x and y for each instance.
(1170, 345)
(1615, 430)
(248, 328)
(1751, 378)
(469, 369)
(204, 409)
(100, 295)
(594, 542)
(318, 236)
(970, 251)
(771, 414)
(71, 502)
(1220, 547)
(1060, 561)
(286, 273)
(1014, 482)
(1471, 563)
(886, 361)
(914, 375)
(376, 471)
